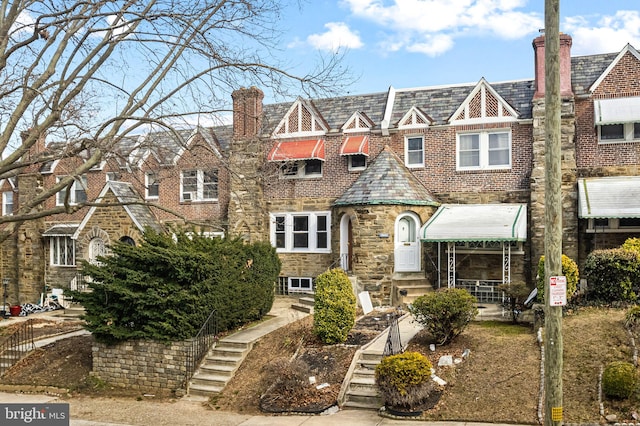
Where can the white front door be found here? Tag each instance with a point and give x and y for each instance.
(407, 246)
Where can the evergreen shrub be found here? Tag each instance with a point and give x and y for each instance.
(632, 318)
(612, 275)
(632, 244)
(166, 287)
(404, 380)
(445, 313)
(619, 380)
(334, 309)
(569, 270)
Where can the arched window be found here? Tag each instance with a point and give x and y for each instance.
(128, 240)
(96, 248)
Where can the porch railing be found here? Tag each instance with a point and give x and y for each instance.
(484, 290)
(201, 344)
(16, 345)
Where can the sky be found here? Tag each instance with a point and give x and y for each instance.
(419, 43)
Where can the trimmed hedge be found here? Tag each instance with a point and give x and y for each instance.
(334, 309)
(404, 380)
(613, 275)
(166, 287)
(619, 380)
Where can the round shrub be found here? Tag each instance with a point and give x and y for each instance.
(334, 307)
(404, 380)
(613, 275)
(569, 270)
(619, 380)
(445, 313)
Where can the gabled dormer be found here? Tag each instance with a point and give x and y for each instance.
(302, 119)
(483, 105)
(358, 122)
(415, 118)
(621, 77)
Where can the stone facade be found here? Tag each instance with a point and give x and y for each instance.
(142, 365)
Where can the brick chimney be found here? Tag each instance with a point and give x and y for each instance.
(247, 111)
(565, 65)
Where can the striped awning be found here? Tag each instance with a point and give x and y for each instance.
(617, 110)
(609, 197)
(310, 149)
(355, 145)
(476, 222)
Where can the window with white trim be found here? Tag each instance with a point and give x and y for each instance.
(62, 251)
(199, 185)
(613, 225)
(77, 192)
(7, 203)
(357, 162)
(484, 150)
(627, 132)
(301, 169)
(300, 284)
(301, 232)
(414, 151)
(151, 185)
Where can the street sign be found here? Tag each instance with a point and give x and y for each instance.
(558, 291)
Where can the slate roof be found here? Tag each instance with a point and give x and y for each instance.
(386, 181)
(140, 213)
(585, 70)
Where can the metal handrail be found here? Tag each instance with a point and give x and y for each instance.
(16, 346)
(201, 344)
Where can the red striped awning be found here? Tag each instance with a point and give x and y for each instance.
(355, 145)
(310, 149)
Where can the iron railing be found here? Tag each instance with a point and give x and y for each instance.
(484, 290)
(201, 344)
(16, 346)
(393, 346)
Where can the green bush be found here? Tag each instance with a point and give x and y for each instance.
(569, 270)
(632, 244)
(619, 380)
(612, 275)
(632, 318)
(166, 287)
(404, 380)
(445, 313)
(334, 307)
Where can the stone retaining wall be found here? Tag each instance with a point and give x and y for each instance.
(141, 364)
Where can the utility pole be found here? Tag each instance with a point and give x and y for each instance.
(553, 215)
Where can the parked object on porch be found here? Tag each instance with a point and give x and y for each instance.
(15, 310)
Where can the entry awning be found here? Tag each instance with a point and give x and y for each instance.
(310, 149)
(476, 222)
(354, 145)
(617, 111)
(62, 230)
(609, 197)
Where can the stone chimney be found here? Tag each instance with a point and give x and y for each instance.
(247, 111)
(565, 65)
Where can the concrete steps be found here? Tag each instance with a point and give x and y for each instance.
(218, 367)
(408, 286)
(360, 390)
(304, 304)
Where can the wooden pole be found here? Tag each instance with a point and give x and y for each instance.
(553, 215)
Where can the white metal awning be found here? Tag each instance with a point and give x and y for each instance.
(617, 111)
(609, 197)
(476, 222)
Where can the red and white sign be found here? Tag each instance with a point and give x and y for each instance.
(558, 291)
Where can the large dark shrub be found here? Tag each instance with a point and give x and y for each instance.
(166, 287)
(612, 275)
(445, 313)
(569, 270)
(334, 309)
(404, 380)
(619, 380)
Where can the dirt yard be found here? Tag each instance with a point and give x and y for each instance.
(499, 381)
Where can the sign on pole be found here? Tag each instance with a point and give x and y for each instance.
(558, 291)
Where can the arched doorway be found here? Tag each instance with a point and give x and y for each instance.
(407, 245)
(346, 243)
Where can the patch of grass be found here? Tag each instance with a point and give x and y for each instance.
(505, 328)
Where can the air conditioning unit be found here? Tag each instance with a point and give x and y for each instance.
(187, 196)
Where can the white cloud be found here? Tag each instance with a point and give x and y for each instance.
(431, 26)
(337, 36)
(609, 34)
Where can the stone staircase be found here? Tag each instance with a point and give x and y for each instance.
(218, 367)
(408, 286)
(304, 304)
(359, 389)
